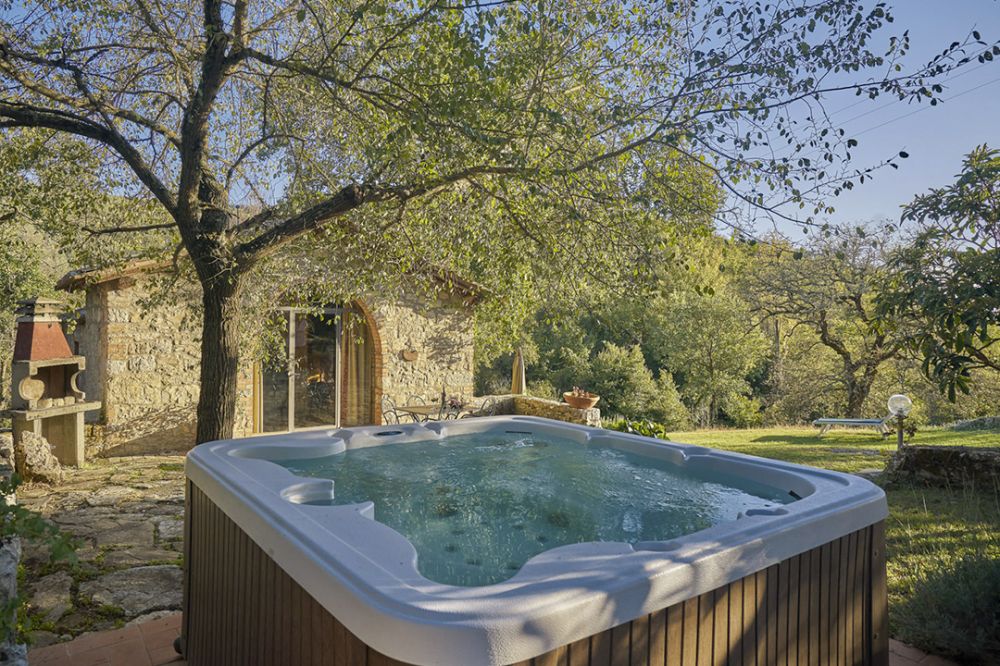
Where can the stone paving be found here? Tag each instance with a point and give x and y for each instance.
(128, 516)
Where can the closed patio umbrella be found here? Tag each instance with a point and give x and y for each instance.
(517, 382)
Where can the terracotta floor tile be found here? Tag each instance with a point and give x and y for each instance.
(155, 626)
(101, 639)
(163, 638)
(163, 655)
(129, 653)
(96, 657)
(49, 654)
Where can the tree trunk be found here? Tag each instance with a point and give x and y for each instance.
(219, 358)
(857, 393)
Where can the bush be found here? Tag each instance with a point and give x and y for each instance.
(541, 388)
(667, 408)
(955, 612)
(982, 423)
(644, 428)
(744, 412)
(626, 386)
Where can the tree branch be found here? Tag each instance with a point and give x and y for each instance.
(120, 230)
(26, 115)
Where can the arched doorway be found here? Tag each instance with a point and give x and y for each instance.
(326, 371)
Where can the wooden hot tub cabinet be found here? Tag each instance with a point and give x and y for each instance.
(823, 606)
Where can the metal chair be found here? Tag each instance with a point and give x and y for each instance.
(487, 408)
(389, 413)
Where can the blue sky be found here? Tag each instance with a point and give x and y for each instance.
(936, 137)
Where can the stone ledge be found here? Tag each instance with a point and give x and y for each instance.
(527, 405)
(945, 466)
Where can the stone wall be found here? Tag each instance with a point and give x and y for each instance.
(143, 363)
(553, 409)
(439, 333)
(946, 466)
(528, 405)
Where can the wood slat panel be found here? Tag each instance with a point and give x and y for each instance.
(657, 638)
(734, 648)
(879, 593)
(706, 622)
(675, 634)
(720, 638)
(640, 641)
(824, 606)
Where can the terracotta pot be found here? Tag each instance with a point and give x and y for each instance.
(578, 402)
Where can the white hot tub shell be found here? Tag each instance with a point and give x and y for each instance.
(247, 523)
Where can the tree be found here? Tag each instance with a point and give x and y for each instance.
(946, 282)
(261, 125)
(710, 346)
(829, 287)
(627, 387)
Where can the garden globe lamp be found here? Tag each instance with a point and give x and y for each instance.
(899, 406)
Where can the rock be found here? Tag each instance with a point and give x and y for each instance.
(137, 591)
(34, 460)
(872, 474)
(40, 639)
(13, 654)
(128, 530)
(10, 556)
(51, 596)
(111, 496)
(149, 617)
(135, 557)
(552, 409)
(170, 529)
(7, 448)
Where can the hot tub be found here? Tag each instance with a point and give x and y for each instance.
(524, 540)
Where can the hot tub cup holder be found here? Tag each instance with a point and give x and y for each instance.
(319, 491)
(655, 546)
(751, 513)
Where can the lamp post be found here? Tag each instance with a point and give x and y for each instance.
(899, 406)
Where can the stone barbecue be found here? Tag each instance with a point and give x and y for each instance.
(45, 397)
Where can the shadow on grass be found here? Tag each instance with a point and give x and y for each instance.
(816, 440)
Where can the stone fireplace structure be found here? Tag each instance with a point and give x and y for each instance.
(45, 397)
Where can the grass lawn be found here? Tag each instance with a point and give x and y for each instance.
(927, 529)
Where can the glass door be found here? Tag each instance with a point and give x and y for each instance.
(273, 383)
(314, 372)
(323, 374)
(299, 385)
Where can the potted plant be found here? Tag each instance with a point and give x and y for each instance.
(580, 398)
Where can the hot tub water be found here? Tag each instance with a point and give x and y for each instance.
(476, 507)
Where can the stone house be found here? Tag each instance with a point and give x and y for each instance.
(143, 360)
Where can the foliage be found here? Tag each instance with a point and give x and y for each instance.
(743, 411)
(929, 530)
(828, 288)
(982, 423)
(709, 344)
(18, 522)
(506, 140)
(627, 387)
(645, 428)
(946, 282)
(955, 611)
